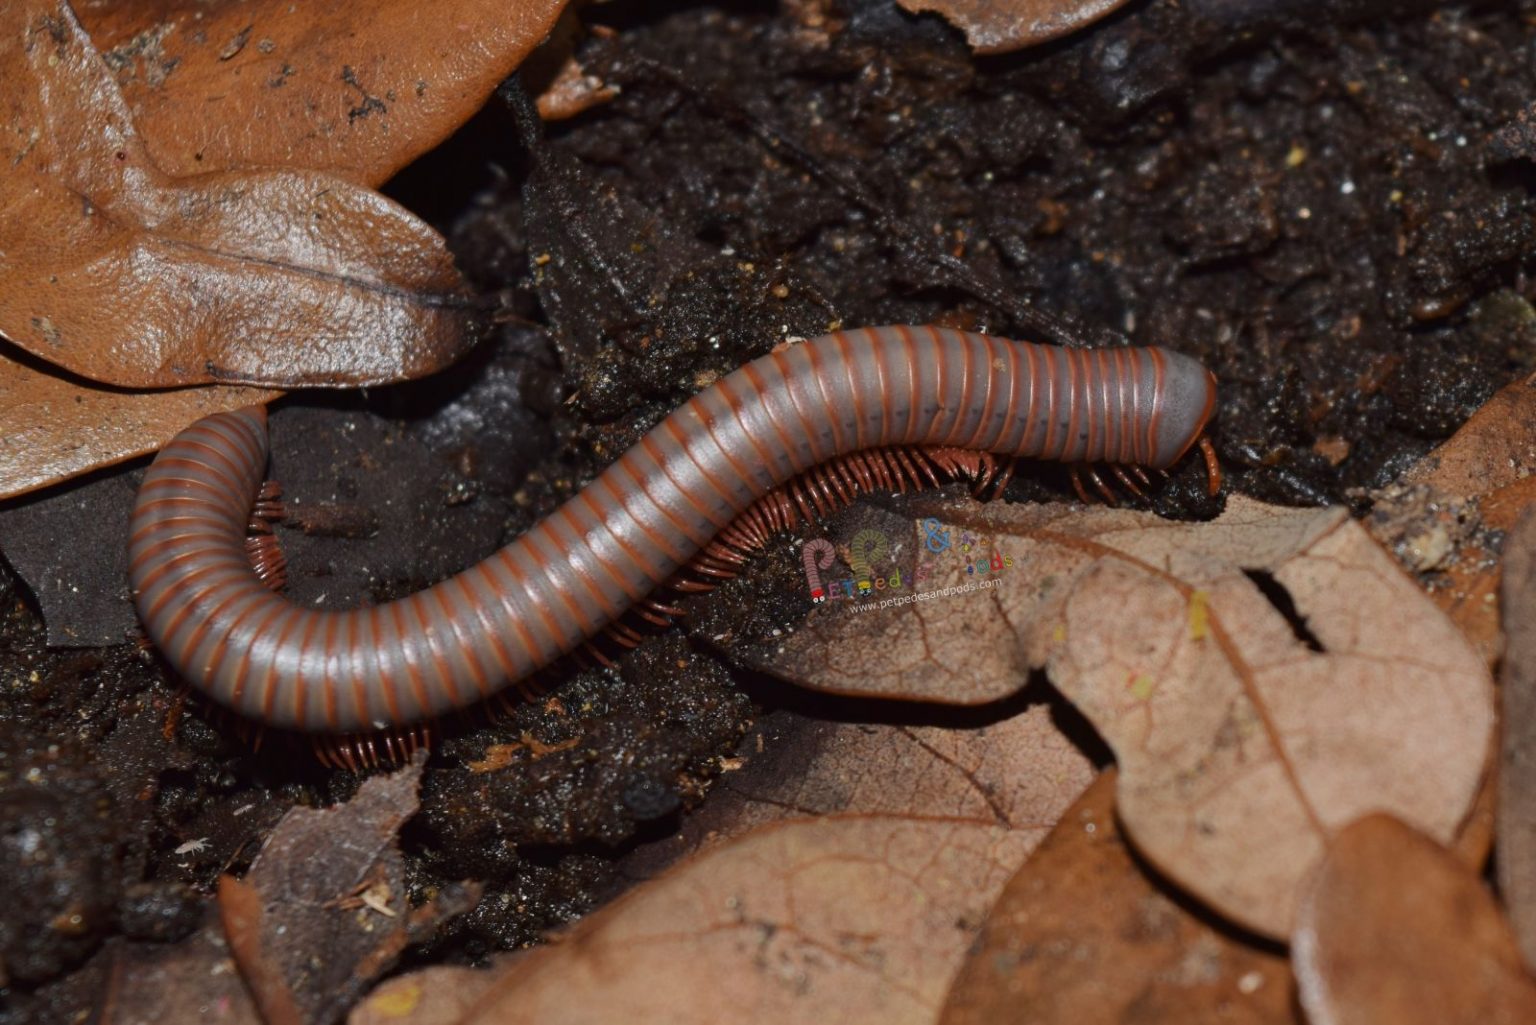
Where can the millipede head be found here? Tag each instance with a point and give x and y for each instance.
(1185, 400)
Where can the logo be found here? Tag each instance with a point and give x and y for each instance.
(871, 558)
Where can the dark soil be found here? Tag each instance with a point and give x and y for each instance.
(1337, 218)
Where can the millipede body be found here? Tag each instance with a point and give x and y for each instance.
(629, 531)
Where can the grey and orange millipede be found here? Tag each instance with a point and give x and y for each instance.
(644, 517)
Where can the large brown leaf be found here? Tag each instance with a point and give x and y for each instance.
(847, 918)
(1001, 26)
(1396, 931)
(126, 275)
(1020, 772)
(1244, 739)
(1010, 769)
(1082, 934)
(53, 427)
(358, 91)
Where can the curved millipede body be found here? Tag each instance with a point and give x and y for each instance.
(630, 530)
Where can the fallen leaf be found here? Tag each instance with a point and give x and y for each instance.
(226, 84)
(1246, 727)
(1010, 768)
(1020, 772)
(1002, 26)
(1516, 830)
(1395, 931)
(845, 918)
(1240, 749)
(1494, 448)
(322, 911)
(1444, 518)
(53, 427)
(1081, 933)
(933, 631)
(123, 274)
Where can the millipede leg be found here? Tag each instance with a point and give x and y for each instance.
(261, 546)
(1212, 466)
(1125, 478)
(1102, 488)
(1075, 472)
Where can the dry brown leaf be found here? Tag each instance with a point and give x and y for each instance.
(1020, 772)
(1240, 747)
(1445, 516)
(358, 91)
(53, 427)
(846, 918)
(123, 274)
(1002, 26)
(1395, 931)
(1494, 448)
(1517, 757)
(1014, 774)
(1081, 934)
(958, 646)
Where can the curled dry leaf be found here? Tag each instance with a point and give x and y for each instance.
(360, 92)
(1395, 931)
(121, 273)
(1082, 934)
(1002, 26)
(847, 918)
(1246, 728)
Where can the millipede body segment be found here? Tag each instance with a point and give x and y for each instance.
(630, 530)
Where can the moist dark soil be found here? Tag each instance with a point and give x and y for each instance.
(1331, 205)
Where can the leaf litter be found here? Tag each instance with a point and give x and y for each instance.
(1251, 717)
(125, 277)
(1394, 930)
(309, 85)
(1446, 516)
(846, 918)
(123, 274)
(1263, 679)
(835, 937)
(321, 913)
(1083, 933)
(1015, 767)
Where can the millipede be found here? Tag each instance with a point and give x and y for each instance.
(788, 435)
